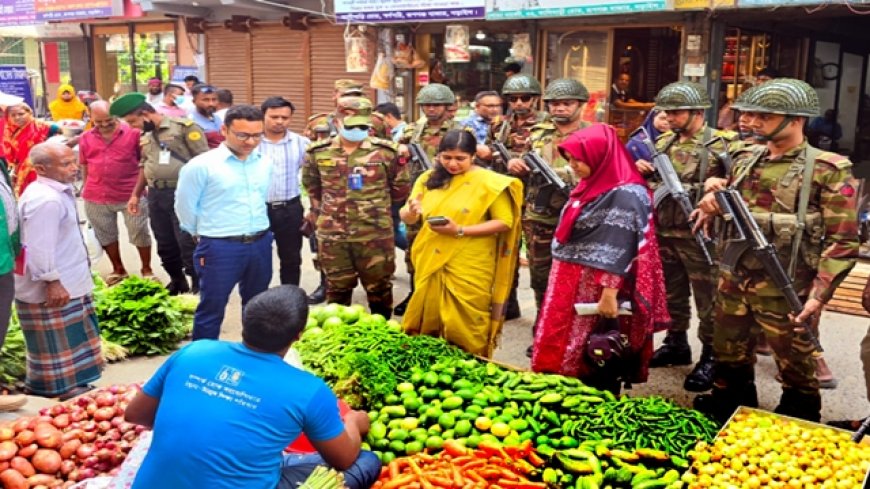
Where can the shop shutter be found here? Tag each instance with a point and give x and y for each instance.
(278, 68)
(328, 65)
(228, 62)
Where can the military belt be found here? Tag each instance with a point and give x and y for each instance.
(162, 184)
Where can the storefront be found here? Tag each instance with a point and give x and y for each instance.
(826, 46)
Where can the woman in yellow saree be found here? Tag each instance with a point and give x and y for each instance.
(466, 251)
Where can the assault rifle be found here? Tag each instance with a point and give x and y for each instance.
(552, 182)
(750, 237)
(723, 157)
(420, 161)
(673, 187)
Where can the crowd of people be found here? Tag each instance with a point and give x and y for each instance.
(613, 257)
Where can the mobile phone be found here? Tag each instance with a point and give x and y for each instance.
(437, 220)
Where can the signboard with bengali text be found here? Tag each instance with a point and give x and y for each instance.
(52, 10)
(17, 12)
(532, 9)
(389, 11)
(14, 80)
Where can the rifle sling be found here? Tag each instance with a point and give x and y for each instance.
(705, 162)
(809, 155)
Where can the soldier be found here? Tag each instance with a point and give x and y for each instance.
(433, 100)
(352, 180)
(804, 200)
(514, 130)
(565, 98)
(683, 260)
(167, 143)
(324, 126)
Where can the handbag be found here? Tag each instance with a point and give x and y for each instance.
(606, 348)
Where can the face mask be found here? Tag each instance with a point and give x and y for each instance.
(354, 135)
(148, 126)
(179, 100)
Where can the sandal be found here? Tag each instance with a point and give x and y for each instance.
(115, 278)
(76, 391)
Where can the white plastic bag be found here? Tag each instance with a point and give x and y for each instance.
(95, 250)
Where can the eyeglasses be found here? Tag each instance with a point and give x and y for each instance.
(519, 98)
(244, 136)
(364, 128)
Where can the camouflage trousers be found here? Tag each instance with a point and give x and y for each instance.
(539, 237)
(372, 262)
(740, 314)
(687, 274)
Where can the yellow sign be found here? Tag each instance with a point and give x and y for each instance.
(691, 4)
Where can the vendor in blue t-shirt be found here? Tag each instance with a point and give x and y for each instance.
(223, 412)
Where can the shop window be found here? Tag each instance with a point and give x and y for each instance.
(125, 58)
(63, 58)
(12, 51)
(155, 52)
(484, 71)
(582, 55)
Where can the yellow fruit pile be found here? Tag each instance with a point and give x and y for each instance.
(763, 450)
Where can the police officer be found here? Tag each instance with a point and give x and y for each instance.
(514, 130)
(352, 180)
(804, 200)
(683, 260)
(565, 98)
(433, 100)
(167, 143)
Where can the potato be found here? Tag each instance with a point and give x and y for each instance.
(12, 479)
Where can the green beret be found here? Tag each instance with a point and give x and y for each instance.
(126, 103)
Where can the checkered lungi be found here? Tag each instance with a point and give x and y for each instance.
(63, 345)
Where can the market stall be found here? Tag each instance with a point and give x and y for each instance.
(443, 418)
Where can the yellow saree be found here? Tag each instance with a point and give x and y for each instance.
(462, 284)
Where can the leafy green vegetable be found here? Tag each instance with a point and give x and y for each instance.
(13, 356)
(139, 315)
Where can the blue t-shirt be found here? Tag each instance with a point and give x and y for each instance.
(226, 413)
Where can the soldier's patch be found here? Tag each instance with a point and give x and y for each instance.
(194, 136)
(847, 190)
(325, 162)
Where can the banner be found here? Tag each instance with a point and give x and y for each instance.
(17, 12)
(14, 81)
(531, 9)
(456, 42)
(47, 10)
(386, 11)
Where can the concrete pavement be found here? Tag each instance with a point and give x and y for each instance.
(841, 336)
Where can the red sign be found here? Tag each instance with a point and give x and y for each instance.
(423, 78)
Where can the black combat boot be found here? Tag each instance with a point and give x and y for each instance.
(733, 388)
(674, 351)
(319, 294)
(399, 310)
(801, 405)
(701, 377)
(178, 285)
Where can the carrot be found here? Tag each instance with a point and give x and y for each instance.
(440, 481)
(474, 464)
(458, 480)
(522, 485)
(535, 459)
(393, 469)
(460, 461)
(454, 448)
(471, 474)
(400, 482)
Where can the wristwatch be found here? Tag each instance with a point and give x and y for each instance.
(460, 232)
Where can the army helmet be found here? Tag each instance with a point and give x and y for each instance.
(521, 83)
(359, 105)
(739, 102)
(786, 96)
(683, 96)
(435, 94)
(566, 89)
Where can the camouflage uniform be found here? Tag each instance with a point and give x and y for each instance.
(683, 261)
(518, 137)
(747, 299)
(354, 227)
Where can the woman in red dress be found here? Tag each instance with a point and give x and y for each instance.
(604, 252)
(22, 132)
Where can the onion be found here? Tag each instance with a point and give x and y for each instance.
(104, 414)
(90, 426)
(105, 399)
(61, 421)
(104, 454)
(22, 465)
(104, 426)
(69, 448)
(84, 451)
(58, 409)
(28, 451)
(67, 466)
(78, 414)
(21, 425)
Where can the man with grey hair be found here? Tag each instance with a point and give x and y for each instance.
(53, 292)
(109, 155)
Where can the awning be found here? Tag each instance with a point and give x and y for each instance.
(225, 9)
